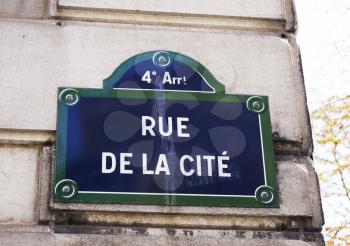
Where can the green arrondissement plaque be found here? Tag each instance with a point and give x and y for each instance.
(163, 131)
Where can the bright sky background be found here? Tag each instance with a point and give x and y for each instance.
(324, 39)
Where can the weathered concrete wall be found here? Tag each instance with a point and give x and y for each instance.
(49, 55)
(273, 9)
(18, 178)
(228, 14)
(87, 235)
(23, 9)
(248, 45)
(299, 207)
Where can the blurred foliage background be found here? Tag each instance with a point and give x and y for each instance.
(331, 132)
(323, 34)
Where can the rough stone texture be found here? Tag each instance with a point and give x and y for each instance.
(263, 15)
(82, 235)
(242, 8)
(170, 19)
(299, 208)
(45, 161)
(25, 138)
(61, 57)
(291, 20)
(23, 9)
(18, 176)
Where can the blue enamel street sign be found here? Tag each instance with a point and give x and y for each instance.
(163, 131)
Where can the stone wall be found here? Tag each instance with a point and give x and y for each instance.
(249, 46)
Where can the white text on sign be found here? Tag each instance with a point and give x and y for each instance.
(150, 76)
(188, 165)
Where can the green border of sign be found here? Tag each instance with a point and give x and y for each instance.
(67, 191)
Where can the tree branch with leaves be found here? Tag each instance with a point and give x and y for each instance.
(331, 131)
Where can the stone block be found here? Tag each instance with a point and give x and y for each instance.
(87, 235)
(299, 208)
(75, 54)
(272, 9)
(18, 181)
(260, 15)
(23, 9)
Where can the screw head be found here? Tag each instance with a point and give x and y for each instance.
(264, 195)
(256, 105)
(162, 60)
(69, 98)
(66, 189)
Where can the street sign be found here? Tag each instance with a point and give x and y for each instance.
(163, 131)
